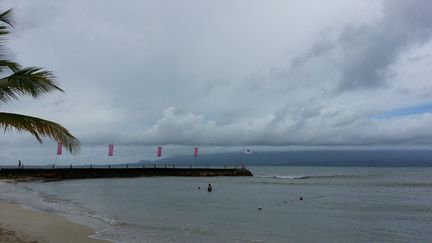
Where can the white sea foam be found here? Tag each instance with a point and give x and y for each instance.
(282, 176)
(302, 177)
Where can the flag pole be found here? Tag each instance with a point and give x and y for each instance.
(244, 156)
(59, 151)
(195, 155)
(158, 153)
(110, 152)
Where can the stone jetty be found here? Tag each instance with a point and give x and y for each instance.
(86, 173)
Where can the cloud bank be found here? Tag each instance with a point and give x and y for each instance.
(221, 75)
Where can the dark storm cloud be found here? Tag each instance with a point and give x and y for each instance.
(363, 55)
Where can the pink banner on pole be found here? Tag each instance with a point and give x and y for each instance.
(196, 152)
(159, 151)
(111, 150)
(59, 148)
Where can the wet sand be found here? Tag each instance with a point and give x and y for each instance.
(18, 224)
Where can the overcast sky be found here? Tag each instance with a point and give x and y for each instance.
(221, 75)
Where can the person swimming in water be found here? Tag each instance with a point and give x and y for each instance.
(209, 188)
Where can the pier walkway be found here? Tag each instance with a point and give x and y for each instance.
(113, 171)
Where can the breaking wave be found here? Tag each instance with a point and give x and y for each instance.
(302, 177)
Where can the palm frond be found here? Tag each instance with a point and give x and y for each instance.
(15, 67)
(5, 22)
(6, 17)
(4, 30)
(31, 81)
(40, 128)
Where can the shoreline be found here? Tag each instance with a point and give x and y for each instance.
(18, 224)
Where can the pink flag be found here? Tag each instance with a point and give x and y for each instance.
(59, 148)
(159, 151)
(196, 152)
(111, 150)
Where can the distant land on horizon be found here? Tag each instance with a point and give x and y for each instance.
(404, 158)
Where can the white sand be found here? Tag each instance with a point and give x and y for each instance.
(22, 225)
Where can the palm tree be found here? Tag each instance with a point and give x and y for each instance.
(16, 81)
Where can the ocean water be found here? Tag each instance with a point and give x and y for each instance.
(340, 204)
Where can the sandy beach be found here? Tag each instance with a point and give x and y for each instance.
(22, 225)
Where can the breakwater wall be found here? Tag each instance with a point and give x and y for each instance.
(83, 173)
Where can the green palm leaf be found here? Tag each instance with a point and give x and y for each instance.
(13, 66)
(40, 128)
(6, 17)
(5, 22)
(4, 30)
(31, 81)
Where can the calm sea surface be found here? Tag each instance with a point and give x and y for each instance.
(340, 204)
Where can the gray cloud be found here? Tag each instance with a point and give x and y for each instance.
(311, 125)
(223, 75)
(362, 55)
